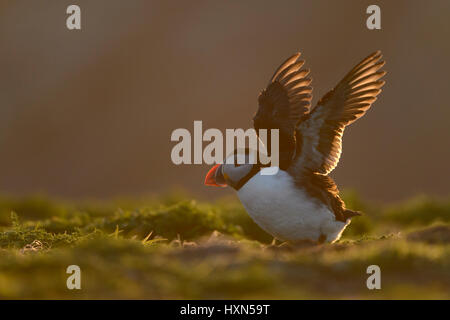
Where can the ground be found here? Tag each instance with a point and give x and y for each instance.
(173, 247)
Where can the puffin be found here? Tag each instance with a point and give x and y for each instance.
(301, 201)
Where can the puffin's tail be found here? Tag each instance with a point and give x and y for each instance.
(348, 214)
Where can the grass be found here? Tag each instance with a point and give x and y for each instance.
(174, 247)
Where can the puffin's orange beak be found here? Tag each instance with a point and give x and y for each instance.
(210, 179)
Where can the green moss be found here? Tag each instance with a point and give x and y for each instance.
(421, 210)
(166, 248)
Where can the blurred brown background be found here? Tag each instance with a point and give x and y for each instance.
(89, 113)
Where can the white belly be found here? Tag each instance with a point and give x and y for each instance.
(286, 211)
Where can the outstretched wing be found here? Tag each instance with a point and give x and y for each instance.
(321, 133)
(283, 103)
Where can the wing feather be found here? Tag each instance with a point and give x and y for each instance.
(286, 99)
(322, 131)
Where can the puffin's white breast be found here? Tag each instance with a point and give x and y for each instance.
(286, 211)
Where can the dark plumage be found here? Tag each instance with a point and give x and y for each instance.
(282, 104)
(311, 141)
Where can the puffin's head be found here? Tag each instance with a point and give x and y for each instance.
(234, 172)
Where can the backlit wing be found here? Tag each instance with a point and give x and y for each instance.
(283, 103)
(322, 131)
